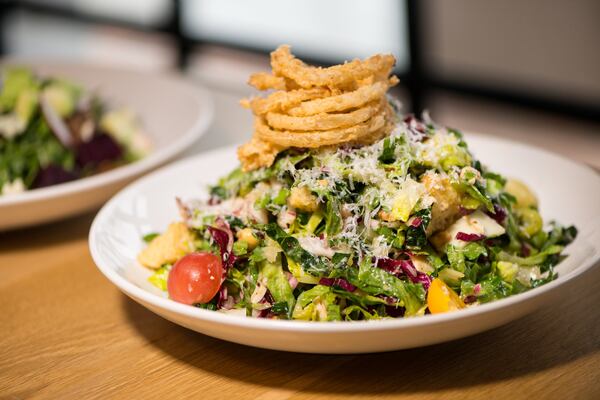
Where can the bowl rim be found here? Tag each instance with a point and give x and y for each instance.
(225, 319)
(159, 155)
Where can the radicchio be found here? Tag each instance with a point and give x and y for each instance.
(525, 250)
(100, 148)
(266, 313)
(416, 222)
(395, 312)
(499, 214)
(404, 268)
(414, 124)
(470, 299)
(423, 279)
(52, 175)
(222, 295)
(469, 237)
(339, 282)
(391, 301)
(223, 237)
(462, 211)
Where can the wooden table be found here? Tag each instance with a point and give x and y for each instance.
(67, 333)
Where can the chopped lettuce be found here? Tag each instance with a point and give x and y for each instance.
(160, 276)
(317, 304)
(376, 281)
(277, 283)
(387, 222)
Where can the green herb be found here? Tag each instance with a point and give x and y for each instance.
(150, 236)
(416, 236)
(280, 308)
(278, 284)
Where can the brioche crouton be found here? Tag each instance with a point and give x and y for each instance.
(174, 243)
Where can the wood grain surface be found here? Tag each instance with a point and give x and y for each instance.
(67, 333)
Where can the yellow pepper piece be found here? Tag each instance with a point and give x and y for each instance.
(440, 298)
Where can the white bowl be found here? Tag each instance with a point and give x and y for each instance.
(174, 113)
(569, 193)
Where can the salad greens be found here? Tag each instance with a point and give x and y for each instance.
(410, 225)
(52, 131)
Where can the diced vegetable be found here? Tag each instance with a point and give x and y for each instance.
(441, 299)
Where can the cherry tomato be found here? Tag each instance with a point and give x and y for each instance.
(195, 278)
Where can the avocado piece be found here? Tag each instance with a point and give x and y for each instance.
(123, 126)
(120, 124)
(26, 104)
(61, 97)
(15, 81)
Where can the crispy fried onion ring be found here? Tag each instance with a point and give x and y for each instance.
(282, 101)
(344, 101)
(313, 107)
(324, 121)
(257, 153)
(285, 64)
(266, 81)
(311, 139)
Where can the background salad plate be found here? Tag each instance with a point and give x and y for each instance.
(173, 113)
(568, 192)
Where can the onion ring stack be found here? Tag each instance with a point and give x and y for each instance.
(312, 107)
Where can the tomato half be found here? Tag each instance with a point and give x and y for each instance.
(195, 278)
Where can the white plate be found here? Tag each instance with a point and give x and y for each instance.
(568, 191)
(174, 113)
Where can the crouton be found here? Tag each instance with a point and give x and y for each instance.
(446, 206)
(247, 236)
(302, 199)
(174, 243)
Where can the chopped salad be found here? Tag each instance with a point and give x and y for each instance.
(409, 225)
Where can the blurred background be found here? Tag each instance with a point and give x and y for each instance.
(523, 70)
